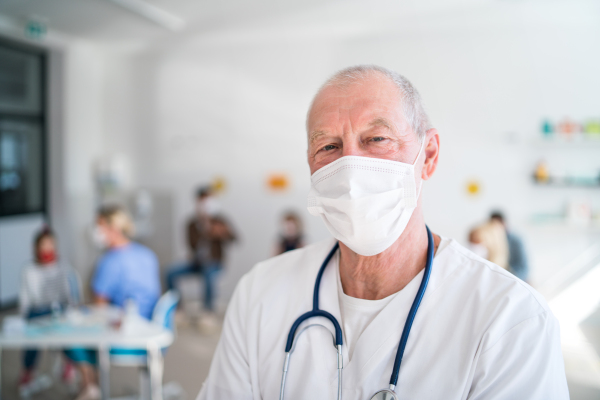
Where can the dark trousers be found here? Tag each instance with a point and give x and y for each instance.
(209, 273)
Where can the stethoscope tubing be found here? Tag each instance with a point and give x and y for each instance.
(413, 309)
(316, 312)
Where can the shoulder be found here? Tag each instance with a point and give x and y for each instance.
(140, 248)
(192, 223)
(29, 270)
(514, 238)
(490, 278)
(496, 299)
(292, 268)
(29, 267)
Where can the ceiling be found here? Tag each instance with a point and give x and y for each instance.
(103, 20)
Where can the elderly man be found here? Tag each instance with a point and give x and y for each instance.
(477, 331)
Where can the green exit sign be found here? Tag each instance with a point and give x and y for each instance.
(35, 29)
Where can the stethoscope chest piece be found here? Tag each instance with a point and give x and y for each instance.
(385, 394)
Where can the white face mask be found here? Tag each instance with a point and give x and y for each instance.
(98, 237)
(208, 206)
(365, 202)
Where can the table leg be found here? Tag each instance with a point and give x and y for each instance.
(0, 373)
(104, 369)
(155, 366)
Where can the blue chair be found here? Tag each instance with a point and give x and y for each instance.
(163, 314)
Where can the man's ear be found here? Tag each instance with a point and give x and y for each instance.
(432, 151)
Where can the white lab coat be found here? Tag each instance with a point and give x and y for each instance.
(480, 333)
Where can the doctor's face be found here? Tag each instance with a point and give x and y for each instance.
(361, 119)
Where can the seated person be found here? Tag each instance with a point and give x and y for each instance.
(197, 233)
(207, 236)
(127, 271)
(219, 235)
(291, 237)
(47, 285)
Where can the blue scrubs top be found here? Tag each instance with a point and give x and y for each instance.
(129, 272)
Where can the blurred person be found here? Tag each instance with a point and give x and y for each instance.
(197, 236)
(207, 235)
(517, 256)
(475, 244)
(291, 236)
(478, 331)
(46, 287)
(126, 272)
(219, 235)
(492, 236)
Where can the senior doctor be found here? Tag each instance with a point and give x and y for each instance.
(387, 309)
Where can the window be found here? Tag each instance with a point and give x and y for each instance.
(22, 129)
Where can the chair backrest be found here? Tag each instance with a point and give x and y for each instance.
(164, 311)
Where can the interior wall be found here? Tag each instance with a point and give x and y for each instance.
(76, 129)
(232, 104)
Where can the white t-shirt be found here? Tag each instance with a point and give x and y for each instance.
(356, 313)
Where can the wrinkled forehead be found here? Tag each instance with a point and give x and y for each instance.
(361, 100)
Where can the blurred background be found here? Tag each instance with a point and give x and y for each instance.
(142, 102)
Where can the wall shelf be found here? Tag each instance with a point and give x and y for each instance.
(575, 143)
(570, 185)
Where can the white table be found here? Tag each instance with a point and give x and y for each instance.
(93, 332)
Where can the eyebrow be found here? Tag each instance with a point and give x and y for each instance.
(381, 122)
(376, 122)
(315, 135)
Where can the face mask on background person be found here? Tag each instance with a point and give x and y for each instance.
(365, 202)
(46, 256)
(98, 237)
(208, 206)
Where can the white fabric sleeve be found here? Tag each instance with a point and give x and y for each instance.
(525, 363)
(229, 376)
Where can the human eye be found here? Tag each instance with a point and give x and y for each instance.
(378, 139)
(328, 147)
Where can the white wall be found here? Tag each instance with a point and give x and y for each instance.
(232, 103)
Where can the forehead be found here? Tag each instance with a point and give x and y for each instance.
(46, 240)
(361, 101)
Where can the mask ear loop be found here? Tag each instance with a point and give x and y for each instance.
(415, 163)
(420, 151)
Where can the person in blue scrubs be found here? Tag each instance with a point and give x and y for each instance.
(127, 271)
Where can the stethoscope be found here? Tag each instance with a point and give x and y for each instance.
(383, 394)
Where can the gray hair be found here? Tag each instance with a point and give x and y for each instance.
(412, 104)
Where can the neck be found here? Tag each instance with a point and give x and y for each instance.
(119, 242)
(376, 277)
